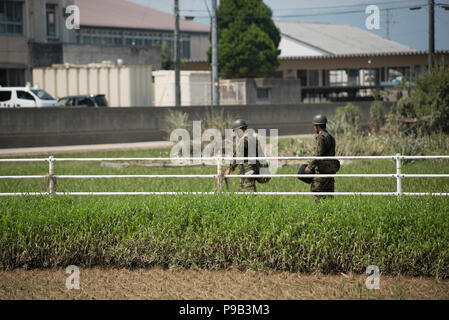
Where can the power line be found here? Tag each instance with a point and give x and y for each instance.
(314, 14)
(322, 7)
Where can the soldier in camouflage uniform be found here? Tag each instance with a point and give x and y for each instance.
(247, 167)
(325, 146)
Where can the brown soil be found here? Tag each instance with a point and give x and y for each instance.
(156, 283)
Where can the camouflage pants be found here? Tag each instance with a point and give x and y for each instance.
(322, 185)
(247, 185)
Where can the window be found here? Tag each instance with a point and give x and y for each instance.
(84, 102)
(263, 94)
(395, 72)
(313, 78)
(100, 100)
(24, 95)
(5, 96)
(41, 94)
(11, 21)
(12, 77)
(353, 77)
(64, 102)
(51, 21)
(302, 75)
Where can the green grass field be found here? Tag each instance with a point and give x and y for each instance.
(407, 236)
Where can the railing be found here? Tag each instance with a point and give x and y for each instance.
(52, 177)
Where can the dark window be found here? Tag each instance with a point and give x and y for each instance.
(313, 78)
(263, 94)
(41, 94)
(51, 21)
(101, 101)
(185, 48)
(84, 102)
(24, 95)
(64, 102)
(302, 75)
(11, 17)
(353, 77)
(395, 72)
(5, 96)
(12, 77)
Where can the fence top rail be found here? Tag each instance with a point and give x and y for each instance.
(223, 158)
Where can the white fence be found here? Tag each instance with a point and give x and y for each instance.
(52, 177)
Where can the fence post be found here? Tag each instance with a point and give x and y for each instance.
(51, 172)
(219, 176)
(398, 175)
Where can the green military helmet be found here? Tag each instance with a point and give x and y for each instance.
(239, 124)
(319, 119)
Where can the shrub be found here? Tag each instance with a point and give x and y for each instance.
(346, 120)
(427, 109)
(377, 114)
(176, 119)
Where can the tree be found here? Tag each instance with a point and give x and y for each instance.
(167, 60)
(428, 104)
(248, 39)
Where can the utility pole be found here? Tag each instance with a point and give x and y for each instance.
(215, 91)
(388, 23)
(431, 32)
(177, 52)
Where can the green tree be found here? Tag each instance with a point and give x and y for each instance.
(248, 39)
(428, 104)
(167, 60)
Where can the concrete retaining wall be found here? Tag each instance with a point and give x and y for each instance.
(75, 126)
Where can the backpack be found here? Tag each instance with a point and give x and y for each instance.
(262, 169)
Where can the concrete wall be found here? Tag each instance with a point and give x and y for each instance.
(72, 126)
(13, 51)
(45, 54)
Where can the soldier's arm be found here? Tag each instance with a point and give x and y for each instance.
(319, 151)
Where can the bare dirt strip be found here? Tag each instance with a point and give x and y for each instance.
(157, 283)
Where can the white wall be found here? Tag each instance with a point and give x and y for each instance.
(195, 88)
(125, 86)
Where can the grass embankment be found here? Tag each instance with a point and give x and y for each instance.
(408, 236)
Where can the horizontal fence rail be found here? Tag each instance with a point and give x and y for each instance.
(52, 177)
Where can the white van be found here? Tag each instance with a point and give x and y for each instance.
(25, 97)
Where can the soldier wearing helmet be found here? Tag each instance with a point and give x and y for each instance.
(325, 146)
(247, 144)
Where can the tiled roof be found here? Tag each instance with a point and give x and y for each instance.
(130, 15)
(339, 39)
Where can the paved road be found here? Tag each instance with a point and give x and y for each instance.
(84, 148)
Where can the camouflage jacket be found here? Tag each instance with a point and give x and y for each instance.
(325, 146)
(247, 146)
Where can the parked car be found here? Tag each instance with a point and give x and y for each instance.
(25, 97)
(91, 100)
